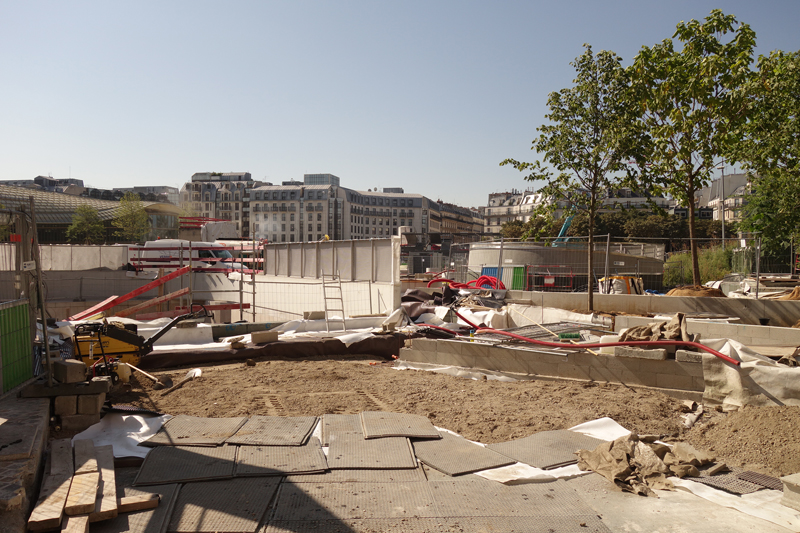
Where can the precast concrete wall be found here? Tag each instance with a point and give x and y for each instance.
(782, 313)
(679, 378)
(73, 256)
(747, 334)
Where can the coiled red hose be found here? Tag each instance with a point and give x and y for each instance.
(474, 284)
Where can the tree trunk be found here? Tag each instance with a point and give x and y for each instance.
(692, 241)
(590, 279)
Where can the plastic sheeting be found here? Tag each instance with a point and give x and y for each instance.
(124, 433)
(758, 381)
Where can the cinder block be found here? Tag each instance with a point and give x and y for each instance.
(264, 336)
(791, 491)
(78, 422)
(69, 371)
(685, 356)
(313, 315)
(90, 404)
(65, 405)
(638, 353)
(567, 370)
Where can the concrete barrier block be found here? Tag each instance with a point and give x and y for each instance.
(686, 356)
(475, 349)
(539, 368)
(449, 347)
(673, 381)
(569, 370)
(65, 405)
(616, 364)
(659, 354)
(659, 367)
(508, 360)
(428, 345)
(688, 369)
(698, 383)
(78, 422)
(69, 371)
(90, 404)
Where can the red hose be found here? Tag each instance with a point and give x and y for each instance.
(626, 343)
(474, 284)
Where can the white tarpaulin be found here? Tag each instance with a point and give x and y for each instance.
(124, 433)
(758, 381)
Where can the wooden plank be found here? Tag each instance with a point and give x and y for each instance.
(82, 496)
(106, 504)
(61, 457)
(50, 508)
(139, 503)
(85, 457)
(76, 524)
(133, 294)
(150, 303)
(94, 309)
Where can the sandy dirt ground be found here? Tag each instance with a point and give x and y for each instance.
(760, 439)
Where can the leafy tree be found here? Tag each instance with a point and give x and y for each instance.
(513, 229)
(584, 141)
(86, 226)
(132, 221)
(692, 106)
(771, 149)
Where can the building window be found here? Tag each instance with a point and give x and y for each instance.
(319, 195)
(311, 216)
(283, 237)
(283, 227)
(283, 217)
(274, 216)
(319, 227)
(310, 228)
(291, 237)
(319, 216)
(291, 217)
(256, 217)
(255, 227)
(319, 236)
(291, 228)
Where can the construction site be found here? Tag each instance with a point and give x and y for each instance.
(362, 386)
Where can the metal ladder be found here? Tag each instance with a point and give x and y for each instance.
(332, 292)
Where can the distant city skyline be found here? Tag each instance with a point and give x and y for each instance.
(425, 96)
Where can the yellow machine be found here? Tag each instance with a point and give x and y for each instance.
(114, 343)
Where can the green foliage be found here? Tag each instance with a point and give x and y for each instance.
(86, 227)
(714, 262)
(771, 149)
(585, 139)
(513, 229)
(692, 105)
(132, 221)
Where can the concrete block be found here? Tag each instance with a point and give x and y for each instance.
(686, 356)
(475, 349)
(791, 491)
(688, 369)
(428, 345)
(568, 370)
(65, 405)
(78, 422)
(616, 364)
(69, 371)
(698, 383)
(449, 347)
(313, 315)
(673, 381)
(627, 351)
(90, 404)
(264, 336)
(659, 367)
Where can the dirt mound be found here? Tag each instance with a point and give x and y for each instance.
(696, 290)
(794, 295)
(759, 438)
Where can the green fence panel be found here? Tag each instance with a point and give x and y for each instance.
(16, 352)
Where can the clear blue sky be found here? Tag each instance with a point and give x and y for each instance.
(429, 96)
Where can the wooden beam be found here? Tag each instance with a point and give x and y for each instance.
(150, 303)
(133, 294)
(76, 524)
(50, 507)
(139, 503)
(61, 457)
(85, 457)
(106, 504)
(82, 497)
